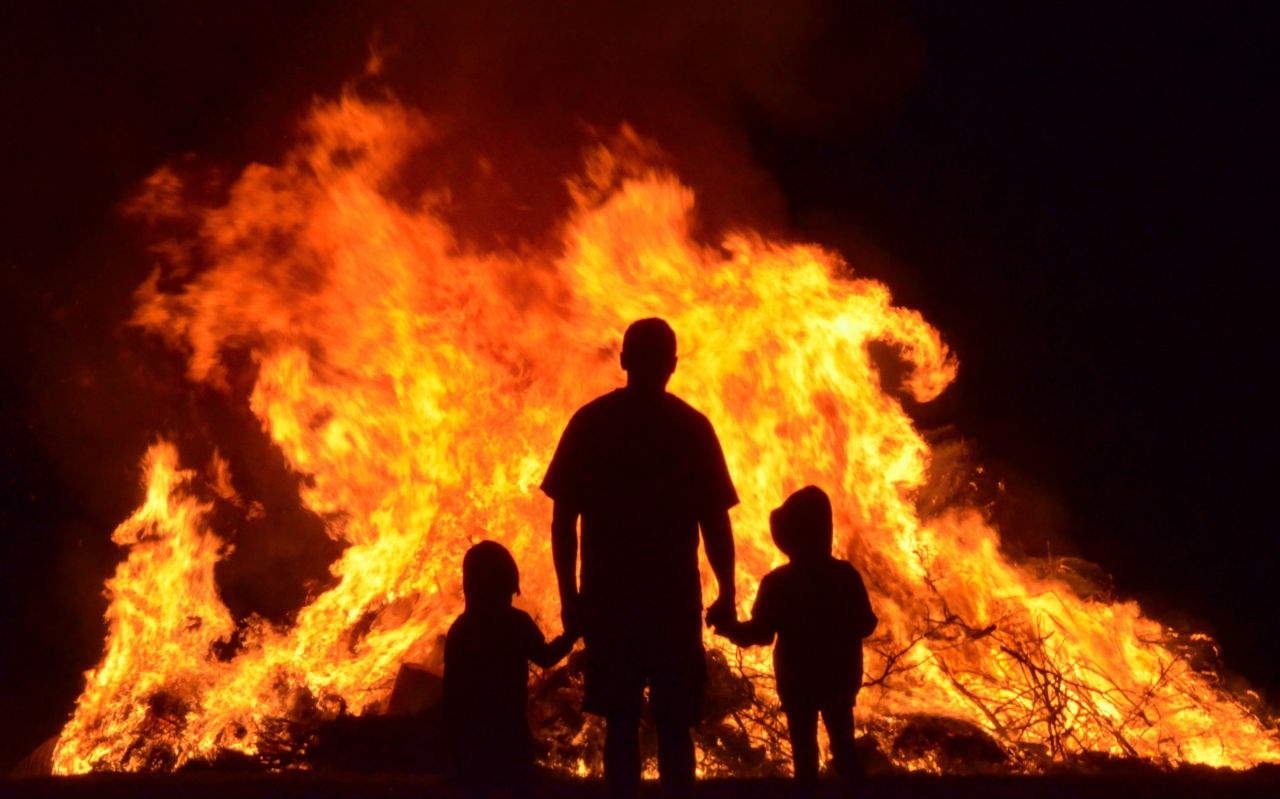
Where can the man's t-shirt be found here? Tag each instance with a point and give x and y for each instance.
(820, 613)
(642, 470)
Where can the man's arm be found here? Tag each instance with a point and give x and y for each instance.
(564, 553)
(717, 537)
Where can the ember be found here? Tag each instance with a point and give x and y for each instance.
(420, 388)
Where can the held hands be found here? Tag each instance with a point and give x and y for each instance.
(722, 613)
(560, 646)
(735, 631)
(722, 617)
(571, 620)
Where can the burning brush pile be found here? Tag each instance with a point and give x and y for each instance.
(419, 387)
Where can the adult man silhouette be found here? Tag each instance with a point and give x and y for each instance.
(644, 471)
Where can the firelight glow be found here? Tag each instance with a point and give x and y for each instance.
(421, 388)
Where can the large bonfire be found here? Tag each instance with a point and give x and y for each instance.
(420, 386)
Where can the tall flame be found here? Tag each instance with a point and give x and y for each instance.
(421, 388)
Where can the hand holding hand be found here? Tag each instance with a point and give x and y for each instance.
(560, 646)
(722, 612)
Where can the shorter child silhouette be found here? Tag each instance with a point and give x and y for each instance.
(818, 608)
(486, 675)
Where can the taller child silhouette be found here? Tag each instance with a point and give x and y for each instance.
(644, 471)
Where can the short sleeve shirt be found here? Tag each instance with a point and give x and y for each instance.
(642, 470)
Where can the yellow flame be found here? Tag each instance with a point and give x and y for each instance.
(422, 387)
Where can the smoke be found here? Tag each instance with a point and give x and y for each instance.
(516, 88)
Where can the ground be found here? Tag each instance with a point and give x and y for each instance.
(1260, 782)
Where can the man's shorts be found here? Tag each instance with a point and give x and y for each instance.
(670, 660)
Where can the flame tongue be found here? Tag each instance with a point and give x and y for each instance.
(422, 389)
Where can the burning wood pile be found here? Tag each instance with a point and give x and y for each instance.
(419, 389)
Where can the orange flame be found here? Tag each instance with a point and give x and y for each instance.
(422, 388)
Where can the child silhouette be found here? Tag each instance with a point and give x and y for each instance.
(818, 608)
(486, 675)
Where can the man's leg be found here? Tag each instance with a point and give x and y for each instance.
(615, 690)
(802, 726)
(675, 697)
(675, 758)
(622, 753)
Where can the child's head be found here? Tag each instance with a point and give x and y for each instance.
(489, 575)
(802, 526)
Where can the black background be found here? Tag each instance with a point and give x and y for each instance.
(1080, 197)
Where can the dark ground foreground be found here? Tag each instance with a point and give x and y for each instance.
(1260, 782)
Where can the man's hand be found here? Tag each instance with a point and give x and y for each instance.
(571, 615)
(733, 630)
(722, 612)
(717, 537)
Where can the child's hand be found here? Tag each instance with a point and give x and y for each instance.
(728, 628)
(745, 633)
(722, 612)
(558, 647)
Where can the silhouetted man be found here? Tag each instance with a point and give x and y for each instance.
(644, 471)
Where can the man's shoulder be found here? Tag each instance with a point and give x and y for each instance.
(600, 407)
(690, 421)
(681, 408)
(619, 403)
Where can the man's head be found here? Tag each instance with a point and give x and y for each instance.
(802, 526)
(489, 575)
(649, 354)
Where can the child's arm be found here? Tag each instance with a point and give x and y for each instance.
(746, 633)
(538, 649)
(760, 628)
(864, 616)
(553, 651)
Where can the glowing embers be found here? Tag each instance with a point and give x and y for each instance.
(421, 387)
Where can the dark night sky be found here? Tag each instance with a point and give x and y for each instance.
(1080, 198)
